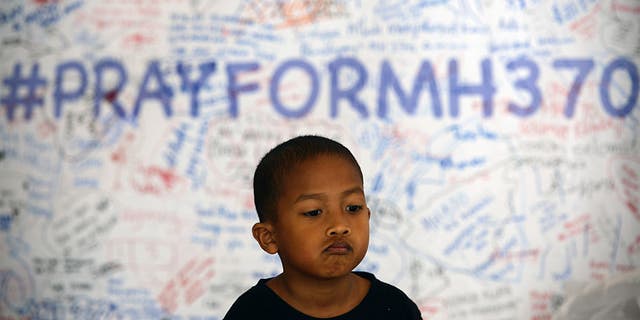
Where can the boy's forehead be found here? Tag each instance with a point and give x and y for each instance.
(322, 162)
(321, 168)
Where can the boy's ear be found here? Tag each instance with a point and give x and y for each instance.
(263, 233)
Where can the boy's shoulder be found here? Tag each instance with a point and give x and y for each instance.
(253, 302)
(383, 301)
(387, 301)
(380, 288)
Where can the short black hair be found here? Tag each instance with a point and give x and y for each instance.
(272, 170)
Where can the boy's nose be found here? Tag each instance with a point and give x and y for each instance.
(338, 227)
(339, 231)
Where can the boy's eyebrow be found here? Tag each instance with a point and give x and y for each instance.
(321, 196)
(356, 189)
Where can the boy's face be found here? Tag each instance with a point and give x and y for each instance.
(322, 229)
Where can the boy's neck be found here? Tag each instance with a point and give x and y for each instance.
(321, 298)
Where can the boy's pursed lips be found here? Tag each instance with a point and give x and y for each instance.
(339, 247)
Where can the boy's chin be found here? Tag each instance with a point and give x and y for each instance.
(340, 270)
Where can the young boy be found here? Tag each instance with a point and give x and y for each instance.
(310, 200)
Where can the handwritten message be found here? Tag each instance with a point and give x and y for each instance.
(499, 143)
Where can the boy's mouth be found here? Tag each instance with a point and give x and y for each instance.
(339, 247)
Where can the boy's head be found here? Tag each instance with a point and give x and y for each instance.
(273, 170)
(310, 198)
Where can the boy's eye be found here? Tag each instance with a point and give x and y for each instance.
(313, 213)
(353, 208)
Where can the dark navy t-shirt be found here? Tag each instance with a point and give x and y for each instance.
(383, 301)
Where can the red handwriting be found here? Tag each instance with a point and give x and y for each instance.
(587, 25)
(625, 173)
(596, 125)
(578, 226)
(287, 14)
(544, 128)
(634, 246)
(137, 39)
(157, 181)
(46, 128)
(601, 269)
(189, 283)
(541, 304)
(430, 308)
(622, 7)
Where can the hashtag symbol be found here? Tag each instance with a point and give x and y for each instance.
(17, 85)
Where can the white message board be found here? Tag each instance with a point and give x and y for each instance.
(499, 142)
